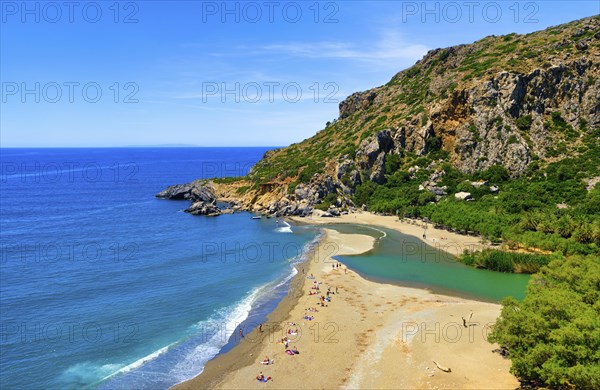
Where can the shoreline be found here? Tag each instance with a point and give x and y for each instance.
(385, 331)
(243, 352)
(449, 242)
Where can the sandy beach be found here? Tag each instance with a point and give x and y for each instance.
(452, 243)
(369, 335)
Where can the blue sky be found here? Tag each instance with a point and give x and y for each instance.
(214, 73)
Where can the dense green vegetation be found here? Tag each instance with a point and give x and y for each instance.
(523, 213)
(553, 335)
(227, 180)
(508, 261)
(327, 202)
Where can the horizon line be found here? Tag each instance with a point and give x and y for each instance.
(139, 146)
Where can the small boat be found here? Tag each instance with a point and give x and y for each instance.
(256, 217)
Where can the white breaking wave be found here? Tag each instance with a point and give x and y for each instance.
(214, 331)
(140, 362)
(287, 228)
(225, 320)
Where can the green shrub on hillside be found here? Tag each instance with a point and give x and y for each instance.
(524, 122)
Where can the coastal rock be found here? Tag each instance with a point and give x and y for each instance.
(204, 208)
(304, 211)
(321, 213)
(201, 193)
(319, 187)
(334, 211)
(196, 191)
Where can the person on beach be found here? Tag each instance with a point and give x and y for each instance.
(241, 332)
(266, 361)
(260, 328)
(261, 378)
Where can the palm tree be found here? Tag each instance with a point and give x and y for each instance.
(584, 234)
(529, 222)
(547, 223)
(566, 226)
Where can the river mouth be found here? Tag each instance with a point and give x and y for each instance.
(406, 261)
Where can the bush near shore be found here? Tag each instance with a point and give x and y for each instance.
(553, 335)
(496, 260)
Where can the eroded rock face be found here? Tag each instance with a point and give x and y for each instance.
(316, 190)
(371, 155)
(195, 191)
(204, 208)
(201, 193)
(355, 102)
(479, 124)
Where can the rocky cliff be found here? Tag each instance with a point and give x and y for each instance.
(507, 101)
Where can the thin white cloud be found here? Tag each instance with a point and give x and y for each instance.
(391, 47)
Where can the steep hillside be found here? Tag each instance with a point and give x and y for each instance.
(505, 100)
(511, 123)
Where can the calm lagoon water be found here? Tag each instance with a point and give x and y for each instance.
(405, 260)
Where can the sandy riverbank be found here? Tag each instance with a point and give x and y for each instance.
(370, 335)
(452, 243)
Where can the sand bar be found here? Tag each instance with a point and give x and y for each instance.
(452, 243)
(370, 335)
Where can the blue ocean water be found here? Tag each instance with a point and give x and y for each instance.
(102, 285)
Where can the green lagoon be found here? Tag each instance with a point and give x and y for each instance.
(405, 260)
